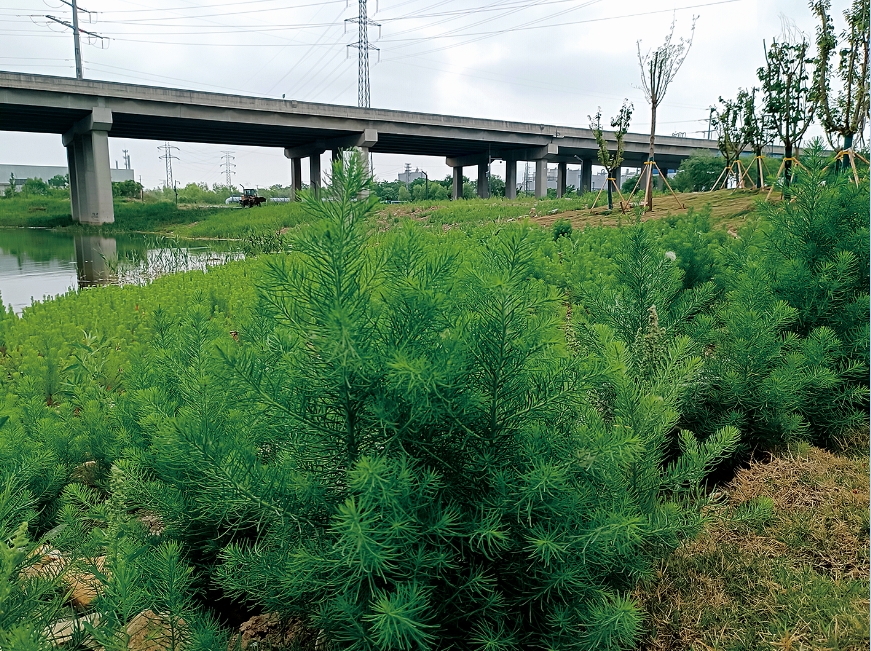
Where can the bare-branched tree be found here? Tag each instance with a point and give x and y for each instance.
(843, 112)
(732, 135)
(658, 70)
(609, 161)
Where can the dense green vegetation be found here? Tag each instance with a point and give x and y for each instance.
(412, 435)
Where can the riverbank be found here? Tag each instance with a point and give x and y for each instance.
(729, 210)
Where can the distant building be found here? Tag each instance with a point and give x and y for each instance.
(408, 176)
(45, 172)
(573, 177)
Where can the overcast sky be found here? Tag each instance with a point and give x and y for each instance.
(548, 61)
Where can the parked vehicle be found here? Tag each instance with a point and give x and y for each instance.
(250, 198)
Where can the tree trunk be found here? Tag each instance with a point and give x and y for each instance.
(760, 171)
(843, 163)
(648, 181)
(787, 167)
(609, 184)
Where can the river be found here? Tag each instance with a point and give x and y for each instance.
(36, 264)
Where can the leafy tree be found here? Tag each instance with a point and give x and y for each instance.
(609, 161)
(34, 187)
(403, 194)
(59, 181)
(789, 97)
(497, 186)
(9, 192)
(731, 123)
(759, 129)
(126, 189)
(844, 113)
(698, 173)
(658, 70)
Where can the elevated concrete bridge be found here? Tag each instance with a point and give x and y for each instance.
(86, 113)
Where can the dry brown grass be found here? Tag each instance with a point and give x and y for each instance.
(783, 564)
(729, 210)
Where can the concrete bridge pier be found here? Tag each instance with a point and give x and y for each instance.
(484, 180)
(295, 177)
(510, 179)
(314, 172)
(457, 187)
(87, 146)
(540, 178)
(561, 173)
(617, 175)
(586, 175)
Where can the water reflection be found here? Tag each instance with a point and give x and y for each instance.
(36, 264)
(96, 260)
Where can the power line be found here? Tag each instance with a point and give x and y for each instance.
(227, 166)
(168, 157)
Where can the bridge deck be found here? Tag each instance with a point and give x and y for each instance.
(48, 104)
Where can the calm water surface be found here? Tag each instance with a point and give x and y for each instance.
(36, 264)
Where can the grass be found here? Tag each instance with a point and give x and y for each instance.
(729, 210)
(783, 564)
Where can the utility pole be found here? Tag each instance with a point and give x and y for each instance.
(362, 45)
(168, 157)
(126, 159)
(77, 43)
(73, 4)
(710, 120)
(407, 174)
(228, 166)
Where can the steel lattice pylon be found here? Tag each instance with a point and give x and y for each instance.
(364, 97)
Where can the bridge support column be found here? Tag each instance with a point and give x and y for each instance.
(617, 176)
(561, 173)
(366, 159)
(586, 175)
(295, 177)
(540, 178)
(457, 188)
(314, 171)
(484, 180)
(510, 179)
(87, 146)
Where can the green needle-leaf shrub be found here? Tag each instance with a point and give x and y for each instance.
(401, 449)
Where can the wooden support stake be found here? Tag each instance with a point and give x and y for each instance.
(717, 182)
(665, 179)
(776, 176)
(596, 200)
(853, 165)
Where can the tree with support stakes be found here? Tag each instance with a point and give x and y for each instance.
(606, 159)
(658, 70)
(789, 97)
(844, 113)
(730, 121)
(760, 130)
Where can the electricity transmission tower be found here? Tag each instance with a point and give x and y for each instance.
(77, 31)
(363, 47)
(126, 159)
(168, 157)
(227, 166)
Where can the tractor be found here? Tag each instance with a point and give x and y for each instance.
(250, 199)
